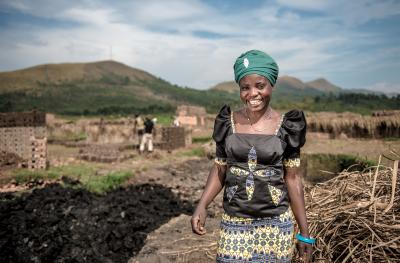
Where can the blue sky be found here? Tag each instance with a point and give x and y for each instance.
(353, 44)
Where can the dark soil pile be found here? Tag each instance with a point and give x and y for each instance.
(59, 224)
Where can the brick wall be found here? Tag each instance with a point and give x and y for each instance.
(25, 135)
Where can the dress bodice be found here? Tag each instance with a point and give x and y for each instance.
(254, 182)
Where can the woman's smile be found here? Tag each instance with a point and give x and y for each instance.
(255, 102)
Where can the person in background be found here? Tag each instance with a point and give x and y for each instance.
(257, 162)
(139, 127)
(176, 122)
(147, 137)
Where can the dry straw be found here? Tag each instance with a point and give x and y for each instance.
(356, 215)
(355, 125)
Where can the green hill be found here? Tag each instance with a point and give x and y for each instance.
(324, 86)
(110, 87)
(97, 88)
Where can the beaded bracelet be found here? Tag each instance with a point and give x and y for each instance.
(305, 239)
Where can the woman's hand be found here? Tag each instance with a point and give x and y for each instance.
(198, 220)
(305, 251)
(215, 183)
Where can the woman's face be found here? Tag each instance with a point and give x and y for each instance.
(255, 92)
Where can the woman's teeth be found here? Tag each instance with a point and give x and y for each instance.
(255, 102)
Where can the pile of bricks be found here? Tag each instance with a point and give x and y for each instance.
(38, 154)
(102, 153)
(25, 135)
(175, 137)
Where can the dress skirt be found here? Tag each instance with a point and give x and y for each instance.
(267, 239)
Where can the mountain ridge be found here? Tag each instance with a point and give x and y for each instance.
(288, 82)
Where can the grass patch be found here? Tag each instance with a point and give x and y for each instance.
(87, 176)
(24, 175)
(77, 172)
(391, 139)
(105, 183)
(68, 136)
(314, 164)
(353, 162)
(203, 139)
(164, 119)
(197, 151)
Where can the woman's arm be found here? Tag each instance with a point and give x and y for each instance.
(296, 197)
(215, 183)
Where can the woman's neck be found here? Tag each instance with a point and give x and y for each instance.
(256, 115)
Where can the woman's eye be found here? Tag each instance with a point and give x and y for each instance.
(244, 88)
(260, 86)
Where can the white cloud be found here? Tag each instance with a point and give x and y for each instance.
(154, 12)
(140, 36)
(385, 87)
(306, 4)
(350, 13)
(98, 17)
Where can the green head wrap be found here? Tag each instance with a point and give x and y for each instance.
(255, 61)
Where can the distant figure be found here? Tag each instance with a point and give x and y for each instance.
(176, 122)
(139, 127)
(147, 137)
(102, 126)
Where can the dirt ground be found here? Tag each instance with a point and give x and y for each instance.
(364, 148)
(174, 241)
(49, 223)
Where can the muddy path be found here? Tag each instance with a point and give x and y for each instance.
(174, 240)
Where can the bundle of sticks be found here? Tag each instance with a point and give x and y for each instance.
(356, 216)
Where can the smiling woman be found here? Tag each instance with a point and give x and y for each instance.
(257, 162)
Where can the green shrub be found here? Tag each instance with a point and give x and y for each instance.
(105, 183)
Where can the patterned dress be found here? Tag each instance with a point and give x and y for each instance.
(257, 225)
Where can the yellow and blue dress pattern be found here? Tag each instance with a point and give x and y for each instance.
(276, 194)
(255, 239)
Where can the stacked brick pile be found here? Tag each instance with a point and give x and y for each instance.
(38, 154)
(173, 138)
(102, 153)
(24, 134)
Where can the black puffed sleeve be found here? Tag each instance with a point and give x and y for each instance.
(294, 128)
(222, 128)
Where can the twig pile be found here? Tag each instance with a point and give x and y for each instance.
(356, 216)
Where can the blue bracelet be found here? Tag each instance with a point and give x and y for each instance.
(305, 240)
